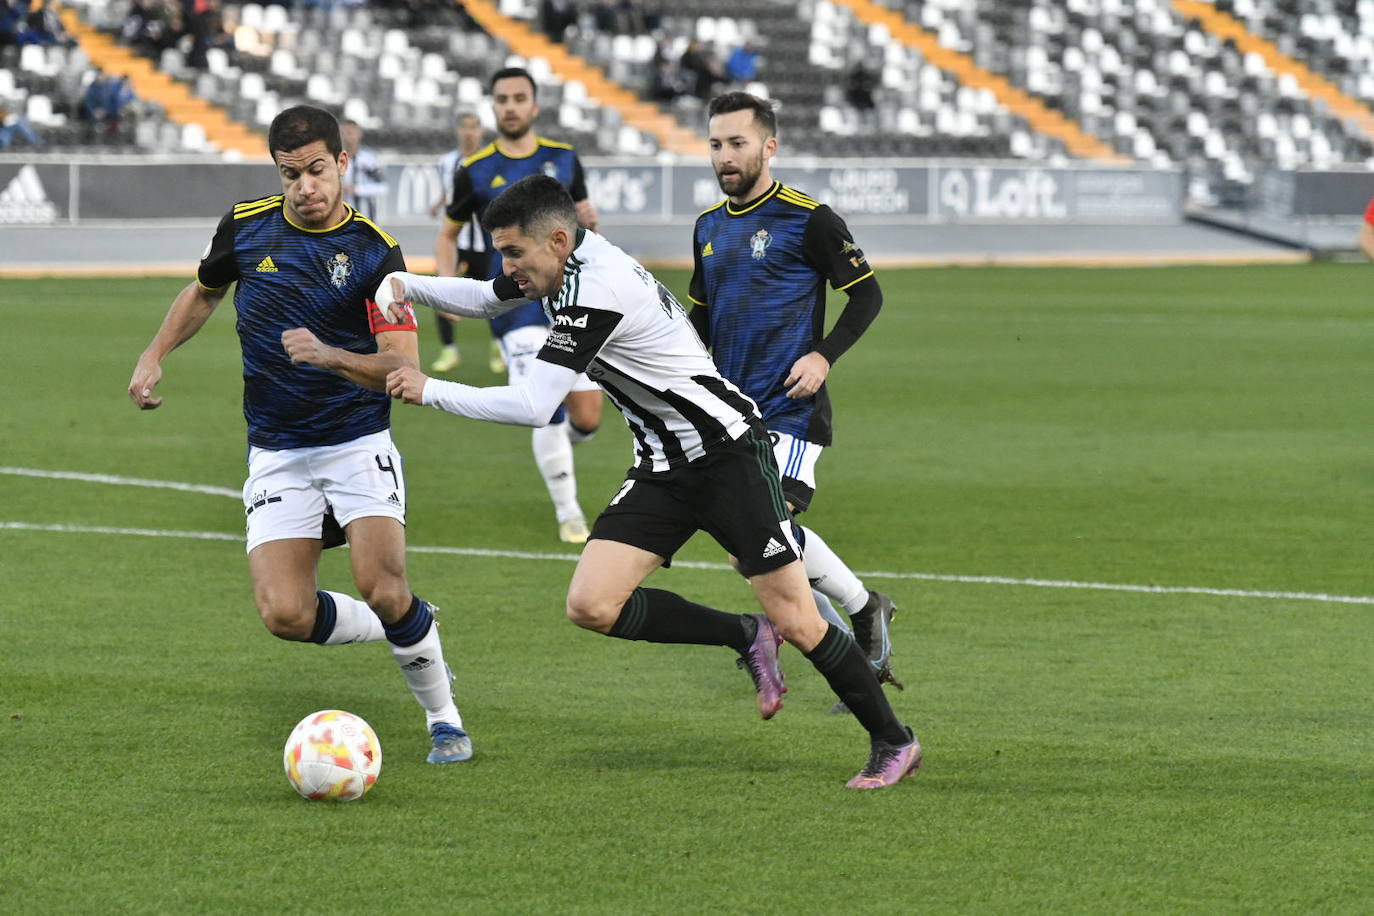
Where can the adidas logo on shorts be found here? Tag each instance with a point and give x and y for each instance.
(773, 549)
(393, 498)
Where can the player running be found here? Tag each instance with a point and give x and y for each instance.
(762, 259)
(518, 152)
(704, 461)
(316, 353)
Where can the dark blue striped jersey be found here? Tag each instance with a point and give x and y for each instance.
(482, 178)
(760, 272)
(290, 277)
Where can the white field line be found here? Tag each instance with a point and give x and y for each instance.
(123, 481)
(693, 564)
(571, 557)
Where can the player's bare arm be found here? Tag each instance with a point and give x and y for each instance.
(188, 313)
(395, 350)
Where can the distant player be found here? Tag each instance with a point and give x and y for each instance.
(316, 353)
(472, 241)
(365, 185)
(762, 259)
(704, 462)
(518, 152)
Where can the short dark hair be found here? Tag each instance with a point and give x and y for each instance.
(509, 72)
(536, 205)
(301, 125)
(728, 102)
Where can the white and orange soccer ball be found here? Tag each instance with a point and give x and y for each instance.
(332, 754)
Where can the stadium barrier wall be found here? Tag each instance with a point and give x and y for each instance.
(72, 190)
(1299, 194)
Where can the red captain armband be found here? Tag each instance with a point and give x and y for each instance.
(1369, 213)
(379, 320)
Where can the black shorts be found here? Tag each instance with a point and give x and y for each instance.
(477, 262)
(733, 494)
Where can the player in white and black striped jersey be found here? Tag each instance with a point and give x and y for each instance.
(704, 461)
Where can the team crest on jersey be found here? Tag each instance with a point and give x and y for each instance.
(339, 268)
(758, 244)
(550, 170)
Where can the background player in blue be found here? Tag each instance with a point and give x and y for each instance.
(316, 353)
(516, 153)
(472, 252)
(762, 259)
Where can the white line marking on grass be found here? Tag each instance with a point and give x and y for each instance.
(696, 564)
(107, 529)
(123, 481)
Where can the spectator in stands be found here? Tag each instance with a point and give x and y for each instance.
(364, 184)
(859, 84)
(555, 16)
(11, 18)
(700, 70)
(152, 26)
(665, 79)
(104, 102)
(207, 31)
(12, 124)
(42, 27)
(1367, 232)
(742, 66)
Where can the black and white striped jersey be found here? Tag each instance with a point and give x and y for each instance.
(614, 321)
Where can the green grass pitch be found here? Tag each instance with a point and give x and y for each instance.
(1088, 750)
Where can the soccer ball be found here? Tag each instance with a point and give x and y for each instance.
(332, 754)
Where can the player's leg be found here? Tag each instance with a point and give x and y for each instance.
(365, 485)
(643, 525)
(746, 511)
(871, 612)
(449, 357)
(584, 405)
(894, 750)
(285, 514)
(552, 448)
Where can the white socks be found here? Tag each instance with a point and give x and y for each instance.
(428, 677)
(353, 622)
(554, 457)
(830, 576)
(830, 615)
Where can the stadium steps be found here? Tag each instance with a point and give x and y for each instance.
(1224, 26)
(1040, 117)
(526, 42)
(179, 103)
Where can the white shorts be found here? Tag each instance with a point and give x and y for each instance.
(797, 463)
(523, 344)
(288, 491)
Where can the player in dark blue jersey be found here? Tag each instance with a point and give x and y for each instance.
(763, 257)
(516, 153)
(316, 353)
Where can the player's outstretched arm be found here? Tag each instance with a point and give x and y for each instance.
(187, 315)
(530, 402)
(450, 295)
